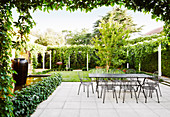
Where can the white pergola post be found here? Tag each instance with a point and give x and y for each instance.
(43, 60)
(69, 62)
(127, 56)
(159, 61)
(87, 63)
(50, 59)
(139, 67)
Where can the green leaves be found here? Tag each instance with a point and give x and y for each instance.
(111, 40)
(77, 54)
(159, 9)
(28, 98)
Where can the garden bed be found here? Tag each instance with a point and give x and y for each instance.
(27, 100)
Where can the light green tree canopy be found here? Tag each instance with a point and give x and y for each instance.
(50, 37)
(80, 38)
(110, 44)
(119, 16)
(159, 8)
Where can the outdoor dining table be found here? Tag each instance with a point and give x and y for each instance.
(135, 76)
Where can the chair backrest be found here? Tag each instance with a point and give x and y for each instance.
(80, 76)
(156, 77)
(83, 78)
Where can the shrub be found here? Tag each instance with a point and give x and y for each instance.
(28, 98)
(150, 62)
(84, 69)
(70, 69)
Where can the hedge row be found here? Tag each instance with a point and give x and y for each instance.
(27, 100)
(150, 62)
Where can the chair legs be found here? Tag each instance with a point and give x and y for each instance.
(150, 94)
(79, 89)
(157, 95)
(87, 89)
(104, 94)
(124, 95)
(159, 90)
(92, 88)
(131, 95)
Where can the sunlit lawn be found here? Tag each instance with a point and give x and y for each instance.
(70, 76)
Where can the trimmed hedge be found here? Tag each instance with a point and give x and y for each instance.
(27, 100)
(150, 62)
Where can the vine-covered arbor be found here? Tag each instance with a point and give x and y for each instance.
(140, 47)
(159, 9)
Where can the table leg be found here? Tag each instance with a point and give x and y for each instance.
(140, 85)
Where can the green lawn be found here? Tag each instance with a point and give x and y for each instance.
(70, 76)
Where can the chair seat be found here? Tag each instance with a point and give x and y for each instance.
(151, 83)
(148, 87)
(87, 83)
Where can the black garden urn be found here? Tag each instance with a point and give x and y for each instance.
(20, 65)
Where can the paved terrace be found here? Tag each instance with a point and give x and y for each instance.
(65, 102)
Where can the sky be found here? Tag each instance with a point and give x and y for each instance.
(75, 21)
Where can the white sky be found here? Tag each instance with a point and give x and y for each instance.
(64, 20)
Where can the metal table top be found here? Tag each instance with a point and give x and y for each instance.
(98, 75)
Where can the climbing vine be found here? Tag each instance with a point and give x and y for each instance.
(76, 53)
(159, 9)
(142, 46)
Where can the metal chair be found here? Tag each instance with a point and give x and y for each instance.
(85, 82)
(109, 86)
(151, 86)
(133, 71)
(155, 81)
(128, 86)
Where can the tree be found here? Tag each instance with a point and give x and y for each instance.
(50, 37)
(120, 16)
(110, 44)
(80, 38)
(159, 9)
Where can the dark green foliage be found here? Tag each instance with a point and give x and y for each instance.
(142, 48)
(150, 62)
(159, 8)
(34, 62)
(26, 100)
(84, 69)
(78, 56)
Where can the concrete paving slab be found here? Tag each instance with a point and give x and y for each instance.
(64, 102)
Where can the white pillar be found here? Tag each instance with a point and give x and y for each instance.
(139, 67)
(87, 63)
(159, 60)
(50, 59)
(43, 60)
(127, 56)
(127, 65)
(69, 62)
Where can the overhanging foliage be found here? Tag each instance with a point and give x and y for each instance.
(140, 47)
(159, 9)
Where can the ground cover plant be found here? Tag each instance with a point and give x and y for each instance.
(26, 100)
(159, 9)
